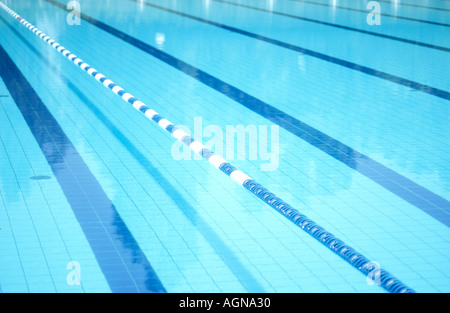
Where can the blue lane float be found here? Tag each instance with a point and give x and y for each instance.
(356, 259)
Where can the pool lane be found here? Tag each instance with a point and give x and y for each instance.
(394, 16)
(359, 30)
(328, 58)
(122, 261)
(424, 199)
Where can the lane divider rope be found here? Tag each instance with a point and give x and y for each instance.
(356, 259)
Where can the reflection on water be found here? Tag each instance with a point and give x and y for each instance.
(160, 38)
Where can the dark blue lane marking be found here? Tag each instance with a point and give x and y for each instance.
(246, 278)
(401, 186)
(418, 43)
(364, 69)
(368, 11)
(119, 256)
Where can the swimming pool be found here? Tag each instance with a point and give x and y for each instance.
(347, 122)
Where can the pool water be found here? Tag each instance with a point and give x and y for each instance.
(346, 120)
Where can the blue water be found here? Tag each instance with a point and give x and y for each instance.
(364, 126)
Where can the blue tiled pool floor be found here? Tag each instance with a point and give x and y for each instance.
(93, 200)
